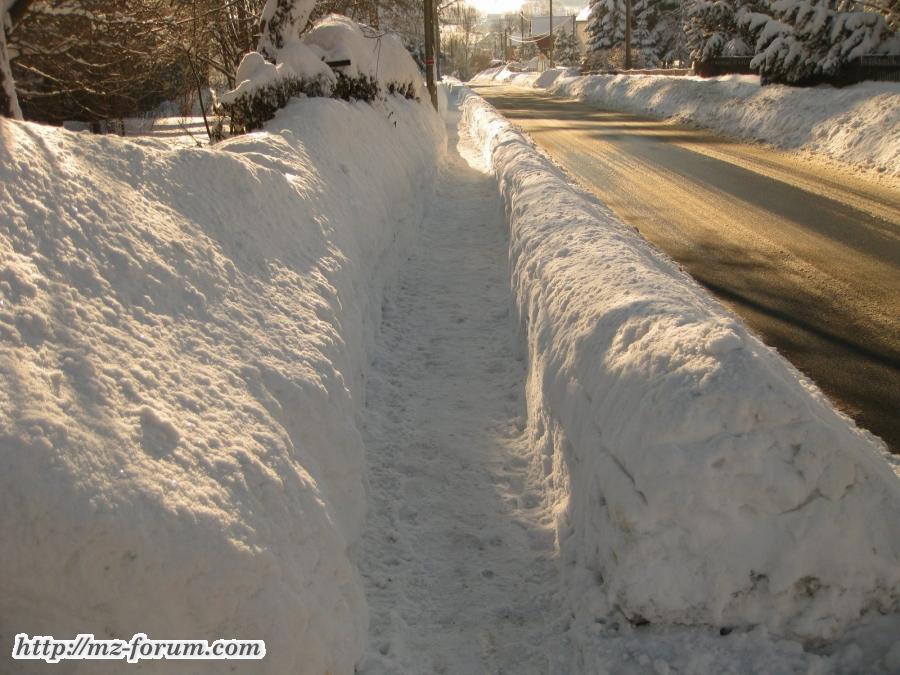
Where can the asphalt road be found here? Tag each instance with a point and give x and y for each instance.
(807, 255)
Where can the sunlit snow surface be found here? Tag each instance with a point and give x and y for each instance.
(696, 477)
(184, 334)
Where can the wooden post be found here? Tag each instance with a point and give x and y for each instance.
(551, 34)
(522, 37)
(437, 40)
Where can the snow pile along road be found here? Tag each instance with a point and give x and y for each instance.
(857, 125)
(526, 78)
(184, 336)
(698, 478)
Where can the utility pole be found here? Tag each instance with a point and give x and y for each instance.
(627, 34)
(429, 52)
(551, 33)
(437, 38)
(522, 36)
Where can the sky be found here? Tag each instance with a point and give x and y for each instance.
(496, 6)
(504, 6)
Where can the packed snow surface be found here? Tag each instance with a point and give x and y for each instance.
(184, 335)
(696, 476)
(458, 555)
(857, 125)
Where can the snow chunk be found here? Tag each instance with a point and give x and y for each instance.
(304, 61)
(698, 477)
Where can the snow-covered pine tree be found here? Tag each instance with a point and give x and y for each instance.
(644, 36)
(806, 41)
(716, 28)
(657, 31)
(606, 25)
(565, 49)
(671, 41)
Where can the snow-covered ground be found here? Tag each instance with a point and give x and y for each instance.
(551, 462)
(858, 125)
(184, 335)
(459, 557)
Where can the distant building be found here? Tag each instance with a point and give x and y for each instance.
(540, 25)
(581, 23)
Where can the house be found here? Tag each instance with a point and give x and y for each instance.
(581, 23)
(540, 25)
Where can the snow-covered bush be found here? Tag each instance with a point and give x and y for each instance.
(697, 477)
(264, 88)
(281, 23)
(379, 65)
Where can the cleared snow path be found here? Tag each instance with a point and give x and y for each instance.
(459, 567)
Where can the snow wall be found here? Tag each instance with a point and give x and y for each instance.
(183, 346)
(697, 477)
(857, 125)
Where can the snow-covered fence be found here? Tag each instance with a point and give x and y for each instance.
(872, 67)
(697, 476)
(724, 65)
(869, 67)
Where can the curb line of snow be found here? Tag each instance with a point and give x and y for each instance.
(698, 477)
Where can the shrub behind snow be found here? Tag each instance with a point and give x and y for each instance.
(379, 66)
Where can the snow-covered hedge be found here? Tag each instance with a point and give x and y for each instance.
(857, 125)
(698, 478)
(183, 343)
(289, 65)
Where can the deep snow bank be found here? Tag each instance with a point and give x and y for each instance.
(183, 338)
(698, 478)
(505, 75)
(857, 125)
